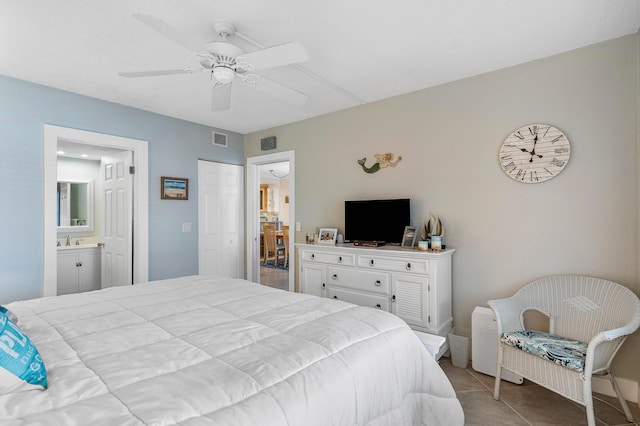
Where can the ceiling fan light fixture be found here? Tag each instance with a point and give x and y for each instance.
(222, 60)
(223, 75)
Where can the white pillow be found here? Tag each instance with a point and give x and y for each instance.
(21, 367)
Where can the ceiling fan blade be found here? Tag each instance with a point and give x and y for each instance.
(168, 31)
(275, 56)
(281, 92)
(155, 73)
(221, 98)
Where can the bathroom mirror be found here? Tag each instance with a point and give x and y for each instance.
(74, 205)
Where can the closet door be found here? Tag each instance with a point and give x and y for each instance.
(220, 219)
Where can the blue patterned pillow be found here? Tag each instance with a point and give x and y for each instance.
(21, 366)
(9, 314)
(560, 350)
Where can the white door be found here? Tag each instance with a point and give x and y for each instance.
(118, 217)
(67, 273)
(312, 279)
(88, 271)
(220, 219)
(411, 298)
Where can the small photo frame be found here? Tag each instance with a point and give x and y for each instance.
(327, 236)
(174, 188)
(409, 237)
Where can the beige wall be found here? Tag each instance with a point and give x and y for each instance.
(585, 221)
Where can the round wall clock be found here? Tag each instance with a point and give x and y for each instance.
(534, 153)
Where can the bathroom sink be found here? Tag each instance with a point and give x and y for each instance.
(79, 246)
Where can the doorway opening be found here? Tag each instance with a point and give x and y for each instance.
(271, 203)
(274, 224)
(53, 135)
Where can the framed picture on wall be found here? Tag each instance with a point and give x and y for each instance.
(327, 236)
(174, 188)
(409, 237)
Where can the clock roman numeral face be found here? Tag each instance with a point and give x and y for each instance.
(534, 153)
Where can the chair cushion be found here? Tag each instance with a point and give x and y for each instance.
(566, 352)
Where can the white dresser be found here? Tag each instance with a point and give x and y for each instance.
(414, 285)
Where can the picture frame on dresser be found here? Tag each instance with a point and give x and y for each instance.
(327, 236)
(409, 236)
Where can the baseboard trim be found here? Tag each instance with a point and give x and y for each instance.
(629, 388)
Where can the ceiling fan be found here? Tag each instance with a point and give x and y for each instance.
(228, 62)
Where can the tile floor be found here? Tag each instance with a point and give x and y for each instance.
(526, 404)
(277, 278)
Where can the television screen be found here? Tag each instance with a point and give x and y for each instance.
(376, 220)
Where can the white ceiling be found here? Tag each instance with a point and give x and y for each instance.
(360, 51)
(273, 172)
(82, 151)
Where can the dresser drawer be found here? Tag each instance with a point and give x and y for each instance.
(327, 257)
(373, 281)
(395, 264)
(369, 300)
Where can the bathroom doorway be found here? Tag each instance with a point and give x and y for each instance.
(53, 135)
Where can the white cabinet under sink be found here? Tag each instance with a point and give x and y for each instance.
(78, 270)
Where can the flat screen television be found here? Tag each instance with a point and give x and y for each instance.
(376, 220)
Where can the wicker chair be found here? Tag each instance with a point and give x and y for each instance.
(597, 312)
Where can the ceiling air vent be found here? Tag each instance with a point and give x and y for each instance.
(220, 139)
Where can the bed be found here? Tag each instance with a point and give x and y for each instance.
(205, 350)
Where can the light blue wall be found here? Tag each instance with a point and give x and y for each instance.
(174, 149)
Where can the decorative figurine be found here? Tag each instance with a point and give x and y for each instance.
(384, 160)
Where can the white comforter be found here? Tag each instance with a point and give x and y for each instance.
(218, 351)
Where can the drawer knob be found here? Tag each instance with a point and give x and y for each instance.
(378, 283)
(323, 285)
(408, 266)
(312, 256)
(371, 262)
(340, 259)
(335, 297)
(393, 298)
(334, 276)
(378, 306)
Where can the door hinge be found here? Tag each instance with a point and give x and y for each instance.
(429, 319)
(428, 287)
(132, 170)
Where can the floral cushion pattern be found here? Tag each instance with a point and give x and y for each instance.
(566, 352)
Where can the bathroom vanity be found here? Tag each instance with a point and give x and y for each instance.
(78, 269)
